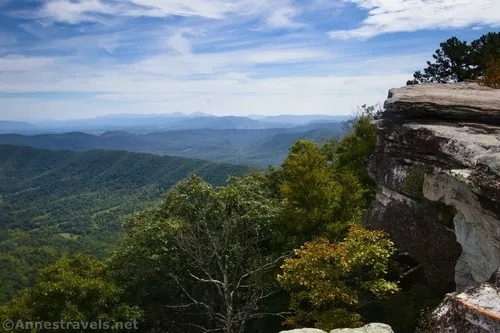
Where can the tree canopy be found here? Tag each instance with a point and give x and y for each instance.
(457, 60)
(330, 282)
(73, 289)
(206, 250)
(207, 257)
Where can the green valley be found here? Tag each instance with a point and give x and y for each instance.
(53, 202)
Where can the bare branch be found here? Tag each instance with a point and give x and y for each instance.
(262, 268)
(187, 294)
(217, 282)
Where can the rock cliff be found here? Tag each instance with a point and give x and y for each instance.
(437, 166)
(437, 163)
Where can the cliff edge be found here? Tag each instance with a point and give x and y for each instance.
(437, 163)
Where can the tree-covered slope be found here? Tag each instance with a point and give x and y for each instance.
(52, 202)
(71, 190)
(273, 149)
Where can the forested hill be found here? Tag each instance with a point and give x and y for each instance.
(71, 189)
(64, 200)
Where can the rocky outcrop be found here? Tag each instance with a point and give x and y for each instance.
(370, 328)
(476, 309)
(437, 163)
(304, 330)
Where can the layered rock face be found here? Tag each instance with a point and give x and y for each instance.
(437, 163)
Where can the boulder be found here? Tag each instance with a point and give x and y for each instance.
(370, 328)
(304, 330)
(476, 309)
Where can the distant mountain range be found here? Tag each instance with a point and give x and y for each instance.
(298, 119)
(17, 127)
(142, 124)
(237, 146)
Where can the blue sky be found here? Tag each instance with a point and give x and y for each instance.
(65, 59)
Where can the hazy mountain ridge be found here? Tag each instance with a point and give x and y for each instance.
(299, 119)
(237, 146)
(17, 126)
(148, 123)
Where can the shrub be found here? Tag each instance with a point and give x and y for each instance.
(414, 181)
(329, 283)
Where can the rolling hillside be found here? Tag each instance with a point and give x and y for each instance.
(71, 190)
(53, 202)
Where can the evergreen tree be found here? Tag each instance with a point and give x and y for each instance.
(457, 61)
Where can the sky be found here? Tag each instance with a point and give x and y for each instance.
(62, 59)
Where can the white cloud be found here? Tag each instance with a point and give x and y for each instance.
(284, 55)
(388, 16)
(20, 63)
(186, 64)
(219, 64)
(232, 88)
(90, 10)
(208, 9)
(74, 12)
(179, 44)
(214, 9)
(307, 95)
(284, 18)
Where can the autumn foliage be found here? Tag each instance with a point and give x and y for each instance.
(330, 282)
(492, 74)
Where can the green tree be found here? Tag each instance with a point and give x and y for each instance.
(457, 61)
(329, 283)
(319, 201)
(73, 289)
(352, 153)
(485, 49)
(202, 260)
(326, 188)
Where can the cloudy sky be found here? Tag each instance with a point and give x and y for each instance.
(65, 59)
